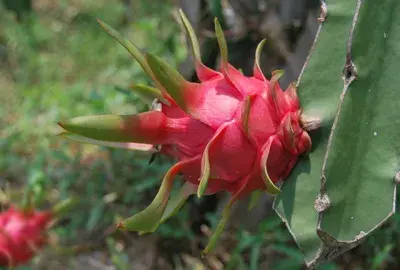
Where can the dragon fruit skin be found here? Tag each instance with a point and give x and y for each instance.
(229, 132)
(22, 233)
(236, 148)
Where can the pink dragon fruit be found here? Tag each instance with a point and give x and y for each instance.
(22, 233)
(228, 133)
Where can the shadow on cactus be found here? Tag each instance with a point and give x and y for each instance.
(231, 133)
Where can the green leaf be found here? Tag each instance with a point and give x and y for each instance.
(175, 203)
(220, 227)
(133, 50)
(99, 127)
(271, 188)
(192, 35)
(126, 145)
(255, 197)
(205, 162)
(205, 173)
(257, 67)
(143, 128)
(255, 256)
(319, 89)
(149, 219)
(276, 75)
(221, 42)
(203, 72)
(148, 93)
(171, 80)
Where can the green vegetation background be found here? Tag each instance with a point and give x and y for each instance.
(58, 63)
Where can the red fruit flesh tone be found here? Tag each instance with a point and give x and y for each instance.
(252, 112)
(22, 233)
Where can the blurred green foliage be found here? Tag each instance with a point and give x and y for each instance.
(58, 63)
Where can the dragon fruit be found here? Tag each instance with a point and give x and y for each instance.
(229, 132)
(22, 233)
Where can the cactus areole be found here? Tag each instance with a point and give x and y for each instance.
(22, 233)
(229, 132)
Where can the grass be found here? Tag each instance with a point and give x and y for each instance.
(58, 64)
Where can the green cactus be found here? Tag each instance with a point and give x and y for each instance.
(346, 187)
